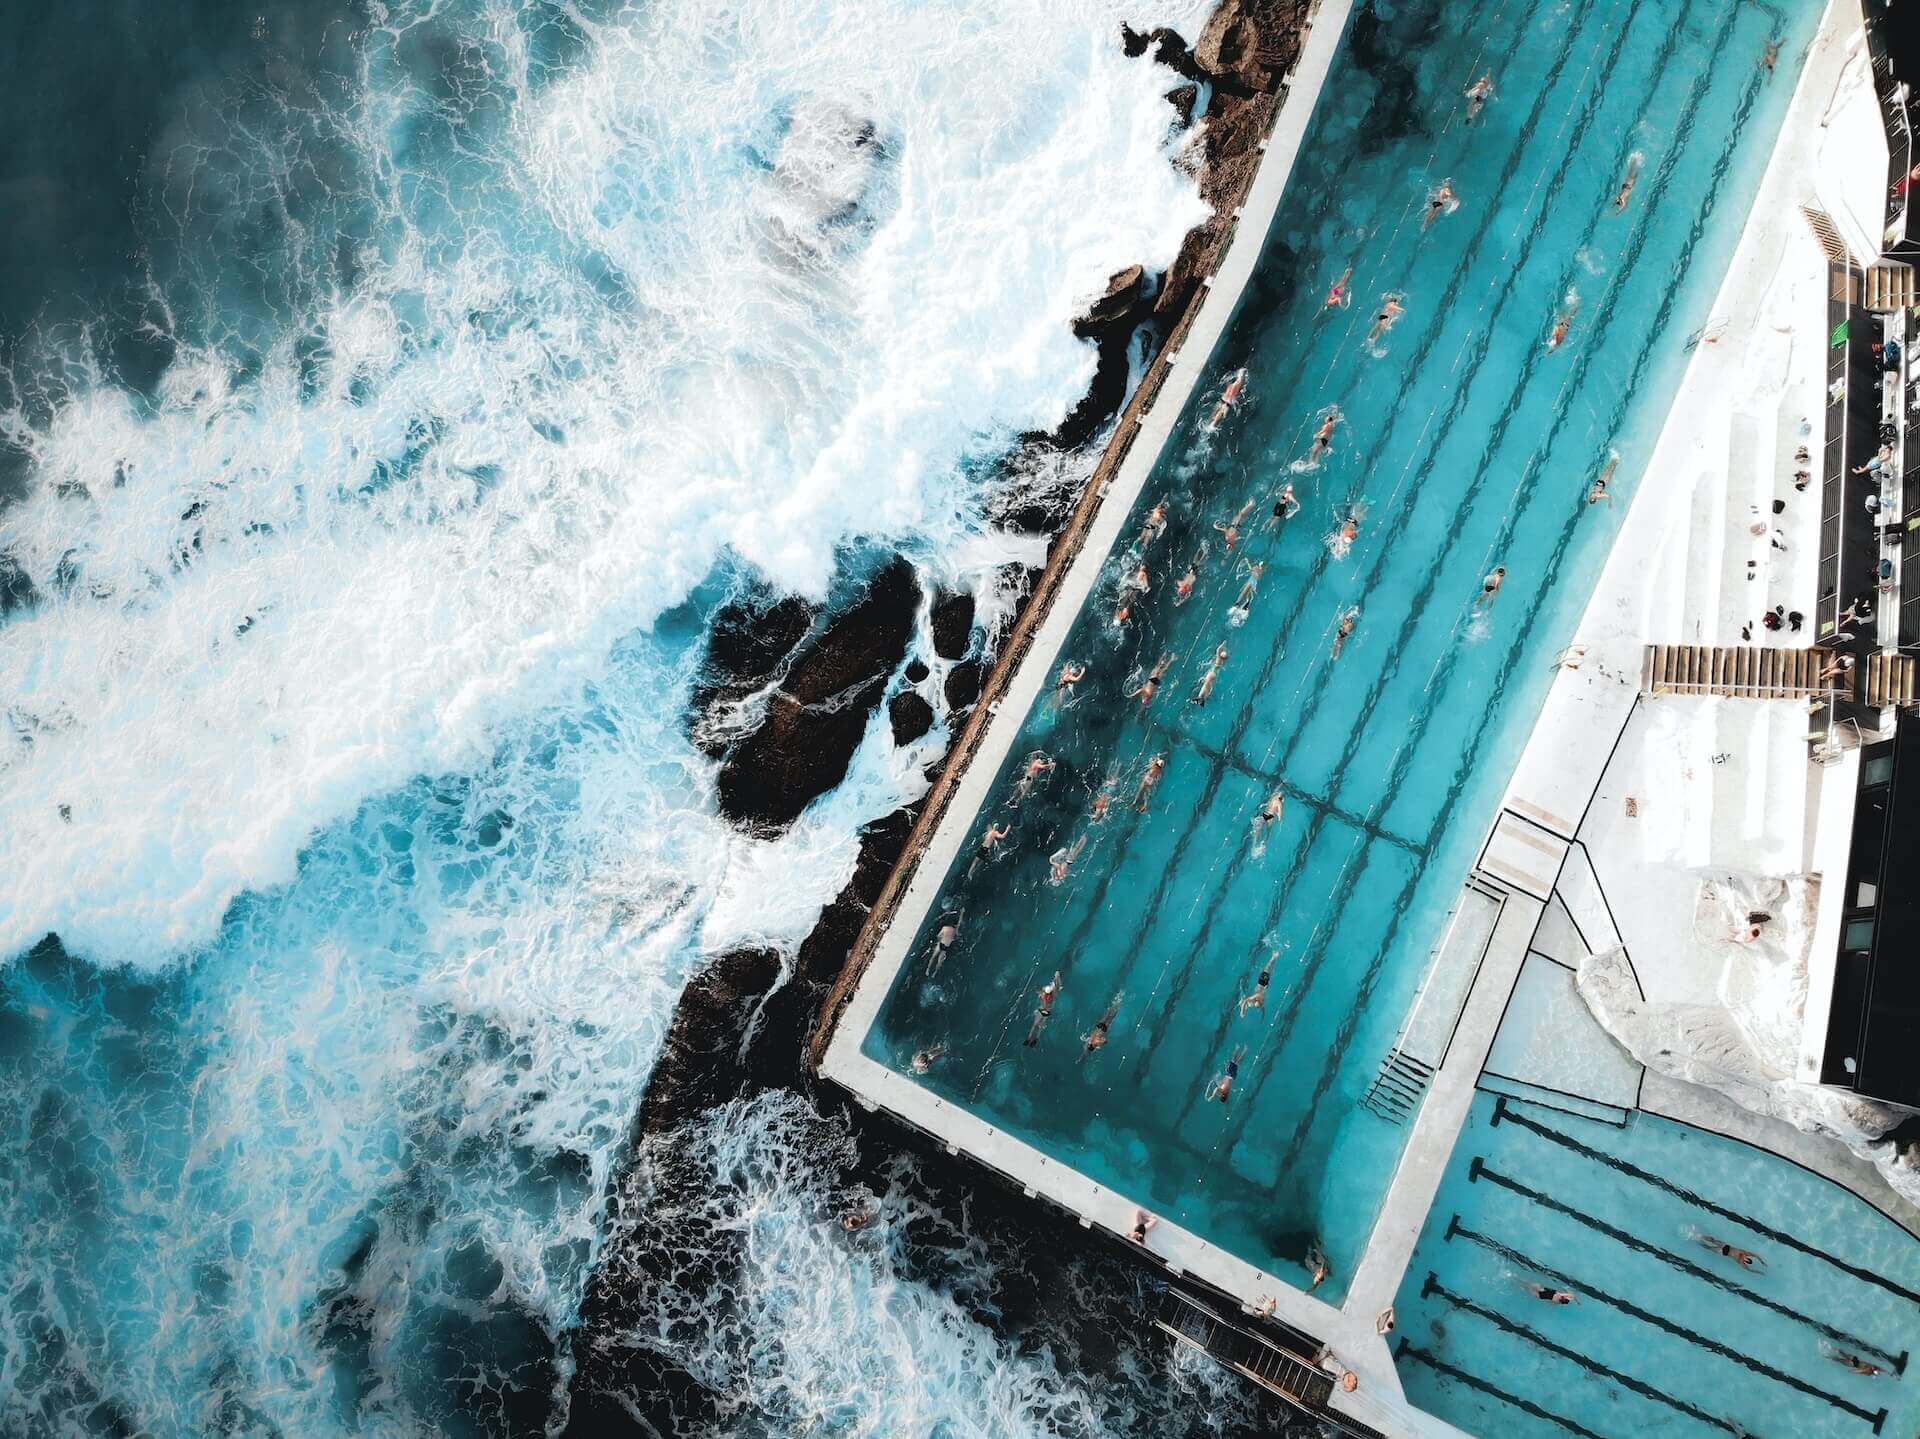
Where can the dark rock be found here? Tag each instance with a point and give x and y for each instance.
(915, 671)
(1169, 48)
(1184, 98)
(1229, 49)
(750, 641)
(698, 1065)
(963, 685)
(910, 715)
(953, 626)
(1122, 305)
(816, 718)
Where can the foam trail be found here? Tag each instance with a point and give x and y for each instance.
(341, 745)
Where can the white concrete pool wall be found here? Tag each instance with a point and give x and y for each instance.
(1534, 831)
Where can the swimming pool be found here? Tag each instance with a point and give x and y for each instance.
(1664, 1335)
(1465, 441)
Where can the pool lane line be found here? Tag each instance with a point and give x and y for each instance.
(1408, 1350)
(1634, 1311)
(1529, 1335)
(1424, 452)
(1699, 1201)
(1449, 659)
(1478, 1170)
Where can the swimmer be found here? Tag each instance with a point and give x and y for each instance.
(1255, 569)
(1478, 93)
(1123, 611)
(925, 1059)
(1049, 992)
(1340, 542)
(1598, 491)
(1096, 1038)
(1390, 311)
(1347, 622)
(1070, 675)
(854, 1220)
(1139, 580)
(995, 833)
(1852, 1361)
(1286, 505)
(1551, 1296)
(1769, 57)
(1230, 531)
(1203, 691)
(1062, 860)
(1489, 587)
(1268, 817)
(1339, 297)
(1154, 526)
(943, 941)
(1745, 1258)
(1222, 1087)
(1258, 999)
(1563, 322)
(1441, 200)
(1156, 767)
(1037, 765)
(1632, 178)
(1317, 1265)
(1229, 397)
(1142, 1223)
(1183, 591)
(1102, 802)
(1150, 686)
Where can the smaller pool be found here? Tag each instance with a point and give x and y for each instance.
(1664, 1335)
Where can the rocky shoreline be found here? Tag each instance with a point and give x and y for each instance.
(789, 691)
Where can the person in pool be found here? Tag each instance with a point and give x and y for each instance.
(1563, 322)
(1203, 691)
(1598, 491)
(1154, 526)
(1229, 397)
(925, 1059)
(1156, 767)
(1286, 505)
(1339, 297)
(1489, 587)
(1096, 1038)
(1222, 1087)
(1258, 998)
(1632, 178)
(943, 941)
(1049, 992)
(1345, 629)
(1443, 199)
(1478, 93)
(1551, 1296)
(1267, 818)
(1745, 1258)
(1390, 311)
(1150, 686)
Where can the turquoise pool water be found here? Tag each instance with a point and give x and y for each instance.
(1471, 443)
(1665, 1336)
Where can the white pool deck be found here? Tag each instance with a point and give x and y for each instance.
(1559, 829)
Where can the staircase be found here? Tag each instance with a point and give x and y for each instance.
(1398, 1088)
(1891, 680)
(1287, 1375)
(1890, 287)
(1740, 672)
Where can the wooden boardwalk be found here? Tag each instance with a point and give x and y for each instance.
(1741, 672)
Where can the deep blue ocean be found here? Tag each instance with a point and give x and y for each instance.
(388, 395)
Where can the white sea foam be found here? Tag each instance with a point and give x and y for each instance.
(593, 338)
(677, 313)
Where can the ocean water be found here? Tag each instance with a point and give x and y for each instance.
(389, 394)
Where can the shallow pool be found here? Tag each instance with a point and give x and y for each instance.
(1465, 441)
(1663, 1334)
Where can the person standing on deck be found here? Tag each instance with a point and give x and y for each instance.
(1049, 992)
(1222, 1087)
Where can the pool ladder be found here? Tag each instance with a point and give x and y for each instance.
(1398, 1088)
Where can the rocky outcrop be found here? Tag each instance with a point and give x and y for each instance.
(749, 643)
(1184, 99)
(814, 719)
(909, 716)
(953, 626)
(1109, 322)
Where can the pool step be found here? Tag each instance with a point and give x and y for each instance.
(1891, 680)
(1739, 672)
(1890, 287)
(1398, 1088)
(1558, 1100)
